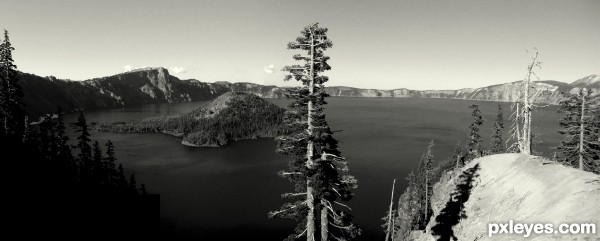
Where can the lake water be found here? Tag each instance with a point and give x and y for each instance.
(225, 193)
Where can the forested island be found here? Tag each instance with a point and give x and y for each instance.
(230, 117)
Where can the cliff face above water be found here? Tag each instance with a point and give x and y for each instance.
(547, 92)
(155, 85)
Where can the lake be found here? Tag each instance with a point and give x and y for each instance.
(225, 193)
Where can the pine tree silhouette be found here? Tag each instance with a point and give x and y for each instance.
(474, 141)
(85, 150)
(110, 164)
(97, 166)
(133, 184)
(11, 111)
(498, 128)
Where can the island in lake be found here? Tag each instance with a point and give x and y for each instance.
(230, 117)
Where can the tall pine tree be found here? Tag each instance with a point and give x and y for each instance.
(474, 141)
(110, 164)
(11, 112)
(319, 172)
(121, 180)
(97, 168)
(133, 184)
(410, 213)
(426, 184)
(62, 146)
(580, 126)
(85, 150)
(498, 129)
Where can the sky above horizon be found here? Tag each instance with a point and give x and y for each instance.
(376, 44)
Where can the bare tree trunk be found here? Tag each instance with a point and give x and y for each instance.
(529, 120)
(527, 107)
(324, 222)
(390, 222)
(426, 196)
(518, 131)
(324, 213)
(310, 219)
(526, 147)
(581, 131)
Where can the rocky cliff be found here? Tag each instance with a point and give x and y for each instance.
(548, 92)
(155, 85)
(142, 86)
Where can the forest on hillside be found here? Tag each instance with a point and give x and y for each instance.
(62, 188)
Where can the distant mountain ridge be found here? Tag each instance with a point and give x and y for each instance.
(548, 91)
(155, 85)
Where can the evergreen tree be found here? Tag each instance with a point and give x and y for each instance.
(403, 219)
(143, 189)
(133, 184)
(580, 124)
(11, 112)
(320, 174)
(46, 136)
(85, 150)
(97, 165)
(426, 184)
(62, 146)
(121, 181)
(474, 141)
(498, 128)
(409, 216)
(110, 163)
(28, 133)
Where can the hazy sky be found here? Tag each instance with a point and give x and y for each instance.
(377, 44)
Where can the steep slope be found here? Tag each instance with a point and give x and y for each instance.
(591, 81)
(137, 87)
(230, 117)
(44, 94)
(525, 189)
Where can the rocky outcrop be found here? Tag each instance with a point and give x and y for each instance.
(154, 85)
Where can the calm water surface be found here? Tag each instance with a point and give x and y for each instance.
(225, 193)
